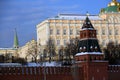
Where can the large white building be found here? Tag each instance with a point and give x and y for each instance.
(64, 27)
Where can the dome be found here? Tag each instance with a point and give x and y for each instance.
(113, 3)
(113, 6)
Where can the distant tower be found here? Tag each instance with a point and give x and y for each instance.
(16, 43)
(90, 56)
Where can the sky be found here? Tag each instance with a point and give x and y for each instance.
(24, 15)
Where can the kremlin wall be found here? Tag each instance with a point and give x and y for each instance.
(54, 73)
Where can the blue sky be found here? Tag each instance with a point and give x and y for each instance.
(24, 15)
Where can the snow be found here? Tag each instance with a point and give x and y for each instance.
(87, 29)
(77, 17)
(32, 64)
(10, 64)
(53, 63)
(83, 53)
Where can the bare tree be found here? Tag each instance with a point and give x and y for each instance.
(34, 51)
(50, 48)
(61, 53)
(112, 53)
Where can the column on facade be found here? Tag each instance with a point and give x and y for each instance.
(114, 30)
(101, 31)
(48, 30)
(107, 31)
(69, 30)
(55, 30)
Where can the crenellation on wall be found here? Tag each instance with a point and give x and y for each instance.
(114, 68)
(60, 73)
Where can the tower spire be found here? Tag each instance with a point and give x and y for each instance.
(16, 43)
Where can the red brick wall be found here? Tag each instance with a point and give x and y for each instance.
(114, 72)
(38, 73)
(60, 73)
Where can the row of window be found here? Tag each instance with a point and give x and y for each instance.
(64, 32)
(64, 42)
(104, 42)
(58, 42)
(78, 32)
(109, 32)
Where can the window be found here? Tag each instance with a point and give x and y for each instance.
(71, 31)
(51, 31)
(97, 32)
(103, 42)
(65, 42)
(116, 41)
(103, 32)
(110, 32)
(116, 32)
(58, 42)
(58, 31)
(64, 32)
(71, 41)
(77, 32)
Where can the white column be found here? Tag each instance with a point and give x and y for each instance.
(48, 30)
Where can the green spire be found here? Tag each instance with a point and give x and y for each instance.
(16, 43)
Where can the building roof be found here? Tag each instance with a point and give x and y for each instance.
(87, 24)
(75, 17)
(7, 48)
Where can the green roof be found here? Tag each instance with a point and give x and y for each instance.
(16, 43)
(111, 9)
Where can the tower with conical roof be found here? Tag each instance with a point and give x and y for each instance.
(16, 42)
(90, 56)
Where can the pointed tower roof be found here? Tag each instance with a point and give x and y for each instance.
(16, 43)
(87, 24)
(88, 40)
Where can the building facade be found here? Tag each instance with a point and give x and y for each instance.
(64, 27)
